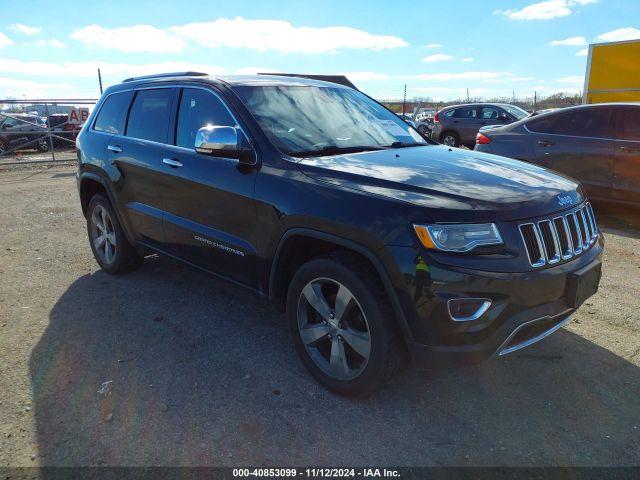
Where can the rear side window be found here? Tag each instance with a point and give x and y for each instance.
(542, 124)
(113, 113)
(466, 112)
(583, 123)
(628, 124)
(490, 113)
(199, 108)
(150, 115)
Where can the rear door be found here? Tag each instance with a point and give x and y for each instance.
(466, 122)
(138, 156)
(210, 215)
(626, 172)
(577, 143)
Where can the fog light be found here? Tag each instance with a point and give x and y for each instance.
(467, 309)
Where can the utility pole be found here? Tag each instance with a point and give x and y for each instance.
(404, 99)
(100, 81)
(468, 98)
(535, 101)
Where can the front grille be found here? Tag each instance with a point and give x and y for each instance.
(551, 240)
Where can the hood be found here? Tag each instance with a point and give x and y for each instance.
(444, 178)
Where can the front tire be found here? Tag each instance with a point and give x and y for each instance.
(342, 325)
(109, 244)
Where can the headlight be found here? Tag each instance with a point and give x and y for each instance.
(458, 237)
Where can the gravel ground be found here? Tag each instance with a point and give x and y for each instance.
(167, 366)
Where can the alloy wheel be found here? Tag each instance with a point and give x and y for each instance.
(449, 141)
(333, 329)
(103, 234)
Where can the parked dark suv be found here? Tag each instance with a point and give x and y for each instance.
(380, 244)
(599, 145)
(459, 124)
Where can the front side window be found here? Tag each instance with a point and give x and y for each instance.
(113, 113)
(308, 120)
(628, 124)
(150, 115)
(199, 108)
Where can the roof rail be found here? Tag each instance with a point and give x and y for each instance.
(162, 75)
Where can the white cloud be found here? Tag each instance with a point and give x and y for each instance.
(137, 38)
(438, 57)
(282, 36)
(467, 59)
(583, 53)
(366, 76)
(89, 69)
(576, 80)
(462, 76)
(433, 45)
(4, 40)
(570, 42)
(13, 87)
(544, 10)
(53, 43)
(24, 29)
(628, 33)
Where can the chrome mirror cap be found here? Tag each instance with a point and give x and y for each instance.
(217, 140)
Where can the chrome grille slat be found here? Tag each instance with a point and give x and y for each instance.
(551, 240)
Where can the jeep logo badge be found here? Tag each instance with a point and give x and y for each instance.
(564, 200)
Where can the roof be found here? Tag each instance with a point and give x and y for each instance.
(238, 80)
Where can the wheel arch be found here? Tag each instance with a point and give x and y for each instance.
(90, 183)
(283, 266)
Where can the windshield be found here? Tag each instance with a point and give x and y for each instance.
(516, 111)
(303, 120)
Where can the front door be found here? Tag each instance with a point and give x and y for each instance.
(626, 173)
(210, 215)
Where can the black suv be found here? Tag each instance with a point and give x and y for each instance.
(380, 245)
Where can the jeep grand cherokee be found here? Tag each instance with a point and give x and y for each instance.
(381, 246)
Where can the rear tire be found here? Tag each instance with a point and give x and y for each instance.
(109, 244)
(353, 347)
(450, 139)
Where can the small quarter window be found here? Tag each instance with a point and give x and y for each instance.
(113, 113)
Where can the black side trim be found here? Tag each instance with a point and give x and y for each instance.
(346, 243)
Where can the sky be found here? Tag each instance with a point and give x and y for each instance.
(437, 48)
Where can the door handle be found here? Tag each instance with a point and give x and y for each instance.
(115, 148)
(545, 143)
(630, 149)
(171, 162)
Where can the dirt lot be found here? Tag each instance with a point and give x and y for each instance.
(203, 373)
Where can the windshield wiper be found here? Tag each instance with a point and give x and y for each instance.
(404, 145)
(334, 150)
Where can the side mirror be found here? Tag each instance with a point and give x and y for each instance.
(222, 141)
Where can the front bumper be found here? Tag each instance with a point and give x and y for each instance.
(525, 307)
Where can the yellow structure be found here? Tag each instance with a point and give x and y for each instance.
(613, 72)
